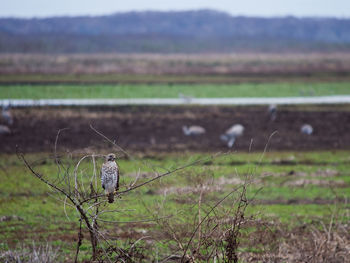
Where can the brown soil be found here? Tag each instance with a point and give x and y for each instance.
(174, 68)
(184, 64)
(159, 129)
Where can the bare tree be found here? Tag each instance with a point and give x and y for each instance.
(82, 193)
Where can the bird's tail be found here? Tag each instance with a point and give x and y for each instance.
(110, 197)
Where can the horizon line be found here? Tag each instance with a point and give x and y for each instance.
(174, 11)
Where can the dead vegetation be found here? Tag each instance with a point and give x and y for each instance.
(31, 254)
(209, 186)
(86, 197)
(207, 229)
(317, 182)
(312, 243)
(263, 64)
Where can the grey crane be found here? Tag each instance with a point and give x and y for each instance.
(6, 114)
(307, 129)
(232, 134)
(272, 111)
(4, 130)
(193, 130)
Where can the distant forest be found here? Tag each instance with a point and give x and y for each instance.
(172, 32)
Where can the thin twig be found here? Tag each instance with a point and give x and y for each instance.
(206, 216)
(138, 221)
(112, 142)
(149, 181)
(55, 150)
(266, 145)
(80, 239)
(199, 219)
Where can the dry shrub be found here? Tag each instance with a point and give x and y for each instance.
(208, 229)
(32, 254)
(128, 252)
(79, 189)
(312, 244)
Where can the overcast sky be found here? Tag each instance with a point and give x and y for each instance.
(44, 8)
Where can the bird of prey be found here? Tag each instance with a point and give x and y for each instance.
(232, 134)
(193, 130)
(110, 177)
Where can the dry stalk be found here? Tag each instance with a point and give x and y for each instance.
(87, 200)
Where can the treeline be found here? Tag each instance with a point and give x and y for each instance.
(188, 31)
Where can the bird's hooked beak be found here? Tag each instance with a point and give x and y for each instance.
(110, 157)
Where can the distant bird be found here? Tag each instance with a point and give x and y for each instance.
(186, 98)
(272, 111)
(310, 92)
(110, 177)
(232, 134)
(6, 114)
(306, 129)
(193, 130)
(4, 130)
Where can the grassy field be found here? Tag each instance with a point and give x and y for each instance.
(173, 91)
(289, 189)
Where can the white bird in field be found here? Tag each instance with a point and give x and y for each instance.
(4, 130)
(110, 177)
(6, 114)
(307, 129)
(232, 134)
(193, 130)
(272, 111)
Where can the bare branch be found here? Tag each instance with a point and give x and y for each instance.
(151, 180)
(41, 178)
(266, 145)
(206, 216)
(55, 151)
(80, 239)
(112, 142)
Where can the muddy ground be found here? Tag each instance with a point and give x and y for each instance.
(174, 68)
(160, 128)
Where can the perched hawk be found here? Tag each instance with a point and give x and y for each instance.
(110, 177)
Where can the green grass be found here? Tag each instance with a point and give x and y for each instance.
(173, 91)
(44, 219)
